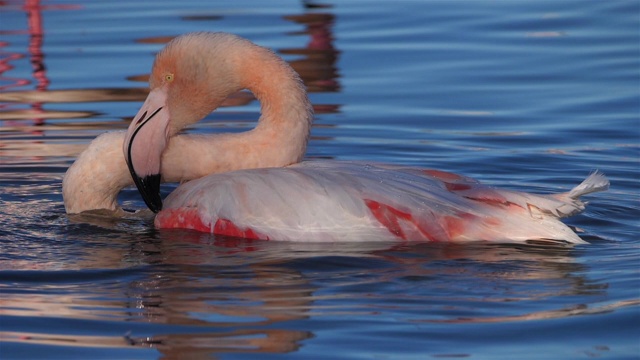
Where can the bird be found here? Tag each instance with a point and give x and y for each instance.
(256, 184)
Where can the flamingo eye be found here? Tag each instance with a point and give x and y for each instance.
(168, 78)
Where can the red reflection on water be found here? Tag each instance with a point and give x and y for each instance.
(36, 37)
(36, 32)
(318, 65)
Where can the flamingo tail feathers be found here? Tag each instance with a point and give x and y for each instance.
(597, 181)
(571, 203)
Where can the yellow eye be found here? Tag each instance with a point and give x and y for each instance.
(168, 77)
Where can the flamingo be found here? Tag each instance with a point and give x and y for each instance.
(255, 185)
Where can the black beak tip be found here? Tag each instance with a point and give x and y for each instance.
(149, 188)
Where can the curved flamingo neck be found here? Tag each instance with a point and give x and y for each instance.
(279, 138)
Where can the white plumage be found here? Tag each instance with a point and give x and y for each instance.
(349, 201)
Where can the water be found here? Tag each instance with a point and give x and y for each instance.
(520, 94)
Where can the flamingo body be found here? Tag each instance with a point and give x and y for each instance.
(349, 201)
(252, 184)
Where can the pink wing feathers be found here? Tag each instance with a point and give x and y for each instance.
(348, 201)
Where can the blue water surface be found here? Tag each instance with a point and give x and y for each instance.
(526, 95)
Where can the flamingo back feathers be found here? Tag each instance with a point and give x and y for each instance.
(348, 201)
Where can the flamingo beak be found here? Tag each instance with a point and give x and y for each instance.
(144, 144)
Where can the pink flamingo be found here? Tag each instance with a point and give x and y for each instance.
(253, 185)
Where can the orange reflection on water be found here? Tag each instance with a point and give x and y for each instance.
(26, 134)
(241, 295)
(318, 66)
(176, 346)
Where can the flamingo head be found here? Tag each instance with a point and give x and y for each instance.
(191, 77)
